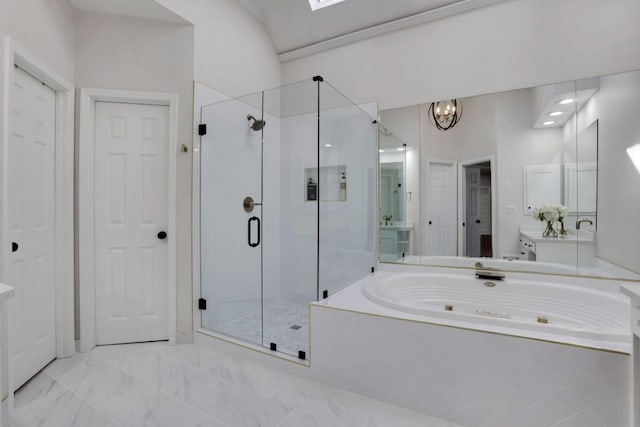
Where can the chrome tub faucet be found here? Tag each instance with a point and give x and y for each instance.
(578, 223)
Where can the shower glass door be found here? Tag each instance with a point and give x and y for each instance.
(231, 154)
(287, 192)
(259, 218)
(291, 198)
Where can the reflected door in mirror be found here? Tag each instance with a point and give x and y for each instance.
(441, 210)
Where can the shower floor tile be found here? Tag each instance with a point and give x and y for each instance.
(285, 323)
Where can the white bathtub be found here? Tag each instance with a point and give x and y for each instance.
(578, 315)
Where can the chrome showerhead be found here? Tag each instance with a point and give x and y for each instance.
(257, 125)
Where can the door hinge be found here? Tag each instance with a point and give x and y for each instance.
(202, 304)
(202, 129)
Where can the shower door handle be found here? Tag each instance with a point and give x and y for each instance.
(251, 243)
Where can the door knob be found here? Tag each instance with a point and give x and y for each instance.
(477, 221)
(162, 235)
(430, 222)
(14, 246)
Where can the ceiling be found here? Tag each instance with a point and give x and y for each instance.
(292, 25)
(552, 111)
(148, 9)
(297, 31)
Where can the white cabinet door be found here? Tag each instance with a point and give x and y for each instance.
(31, 224)
(131, 205)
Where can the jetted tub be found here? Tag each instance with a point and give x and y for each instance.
(529, 308)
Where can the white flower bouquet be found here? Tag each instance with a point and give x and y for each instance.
(551, 214)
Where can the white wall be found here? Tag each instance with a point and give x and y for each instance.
(232, 50)
(519, 144)
(116, 52)
(511, 45)
(45, 28)
(618, 205)
(618, 102)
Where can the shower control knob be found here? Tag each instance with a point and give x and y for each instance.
(14, 247)
(477, 221)
(430, 222)
(162, 235)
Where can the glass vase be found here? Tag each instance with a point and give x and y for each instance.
(563, 231)
(549, 231)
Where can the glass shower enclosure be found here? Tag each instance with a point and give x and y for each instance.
(287, 196)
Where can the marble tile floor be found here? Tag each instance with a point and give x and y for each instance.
(145, 385)
(279, 317)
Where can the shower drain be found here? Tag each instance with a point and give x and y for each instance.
(295, 327)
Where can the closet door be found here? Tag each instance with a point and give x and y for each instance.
(31, 224)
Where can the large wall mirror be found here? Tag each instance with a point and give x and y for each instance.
(543, 179)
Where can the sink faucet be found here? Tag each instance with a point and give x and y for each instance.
(581, 221)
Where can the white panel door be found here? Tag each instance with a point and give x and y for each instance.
(31, 224)
(441, 218)
(131, 193)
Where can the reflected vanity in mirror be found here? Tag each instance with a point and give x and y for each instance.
(399, 189)
(540, 179)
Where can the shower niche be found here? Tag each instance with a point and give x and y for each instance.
(262, 263)
(330, 185)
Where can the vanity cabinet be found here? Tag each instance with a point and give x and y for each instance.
(558, 250)
(395, 242)
(527, 249)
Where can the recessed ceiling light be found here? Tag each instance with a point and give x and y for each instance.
(400, 149)
(549, 123)
(328, 145)
(319, 4)
(566, 101)
(380, 151)
(556, 113)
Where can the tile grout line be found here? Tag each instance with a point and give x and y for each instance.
(91, 405)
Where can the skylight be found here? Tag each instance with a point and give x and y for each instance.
(319, 4)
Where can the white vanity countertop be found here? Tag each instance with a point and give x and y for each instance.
(536, 236)
(633, 292)
(6, 292)
(407, 226)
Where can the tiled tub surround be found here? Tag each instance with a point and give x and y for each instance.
(192, 385)
(470, 377)
(633, 292)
